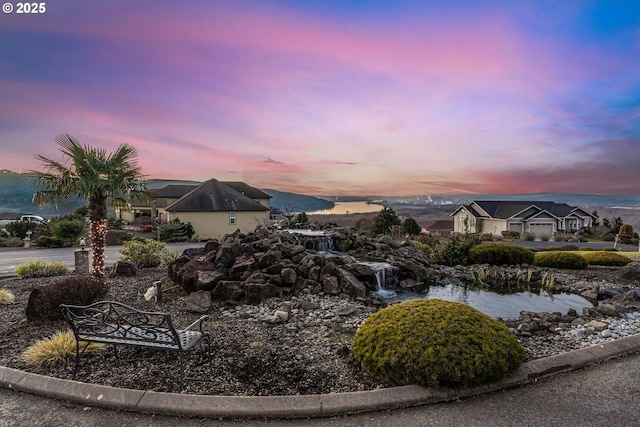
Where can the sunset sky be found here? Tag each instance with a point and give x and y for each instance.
(335, 97)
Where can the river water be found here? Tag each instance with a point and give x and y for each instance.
(345, 208)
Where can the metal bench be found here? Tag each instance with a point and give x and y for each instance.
(114, 323)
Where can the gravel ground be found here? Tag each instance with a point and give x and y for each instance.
(308, 354)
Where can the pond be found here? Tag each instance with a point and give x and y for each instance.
(506, 306)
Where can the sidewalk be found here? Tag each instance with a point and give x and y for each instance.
(328, 405)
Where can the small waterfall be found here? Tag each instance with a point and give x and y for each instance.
(385, 278)
(317, 240)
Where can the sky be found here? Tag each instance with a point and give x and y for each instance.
(334, 97)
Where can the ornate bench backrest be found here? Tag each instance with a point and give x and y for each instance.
(111, 320)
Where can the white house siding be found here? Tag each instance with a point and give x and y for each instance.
(493, 226)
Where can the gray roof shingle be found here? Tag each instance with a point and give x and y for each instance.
(214, 195)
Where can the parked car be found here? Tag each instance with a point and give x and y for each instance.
(30, 218)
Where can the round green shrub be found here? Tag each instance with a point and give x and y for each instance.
(500, 254)
(606, 258)
(435, 342)
(560, 259)
(586, 248)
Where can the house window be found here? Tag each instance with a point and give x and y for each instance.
(232, 218)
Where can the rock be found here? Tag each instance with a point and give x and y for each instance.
(226, 290)
(597, 325)
(607, 309)
(630, 272)
(350, 285)
(629, 300)
(255, 293)
(198, 302)
(124, 269)
(289, 276)
(276, 318)
(175, 267)
(187, 276)
(241, 265)
(330, 285)
(207, 280)
(305, 305)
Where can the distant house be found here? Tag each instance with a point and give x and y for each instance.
(213, 208)
(537, 218)
(217, 208)
(139, 212)
(440, 228)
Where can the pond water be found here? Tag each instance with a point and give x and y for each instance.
(494, 304)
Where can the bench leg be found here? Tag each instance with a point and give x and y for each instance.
(181, 372)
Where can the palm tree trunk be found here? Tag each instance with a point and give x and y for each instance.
(98, 232)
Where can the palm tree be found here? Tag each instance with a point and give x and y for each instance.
(92, 174)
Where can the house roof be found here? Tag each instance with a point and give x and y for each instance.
(173, 190)
(247, 190)
(214, 195)
(444, 224)
(508, 209)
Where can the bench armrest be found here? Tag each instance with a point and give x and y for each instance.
(198, 324)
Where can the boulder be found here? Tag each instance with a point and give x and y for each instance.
(174, 268)
(289, 276)
(255, 293)
(187, 276)
(350, 285)
(241, 265)
(206, 280)
(228, 291)
(630, 272)
(198, 302)
(124, 269)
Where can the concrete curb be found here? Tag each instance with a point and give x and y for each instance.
(322, 405)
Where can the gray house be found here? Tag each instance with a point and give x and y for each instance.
(538, 218)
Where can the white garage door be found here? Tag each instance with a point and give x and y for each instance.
(541, 229)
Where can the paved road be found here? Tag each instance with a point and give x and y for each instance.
(601, 395)
(10, 258)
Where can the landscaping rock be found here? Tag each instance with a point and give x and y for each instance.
(124, 269)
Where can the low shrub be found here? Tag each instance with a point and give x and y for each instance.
(585, 248)
(167, 256)
(118, 237)
(41, 268)
(560, 259)
(44, 302)
(59, 347)
(49, 242)
(454, 250)
(511, 234)
(569, 248)
(500, 254)
(609, 249)
(552, 248)
(144, 252)
(7, 297)
(10, 242)
(606, 258)
(176, 231)
(19, 229)
(433, 343)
